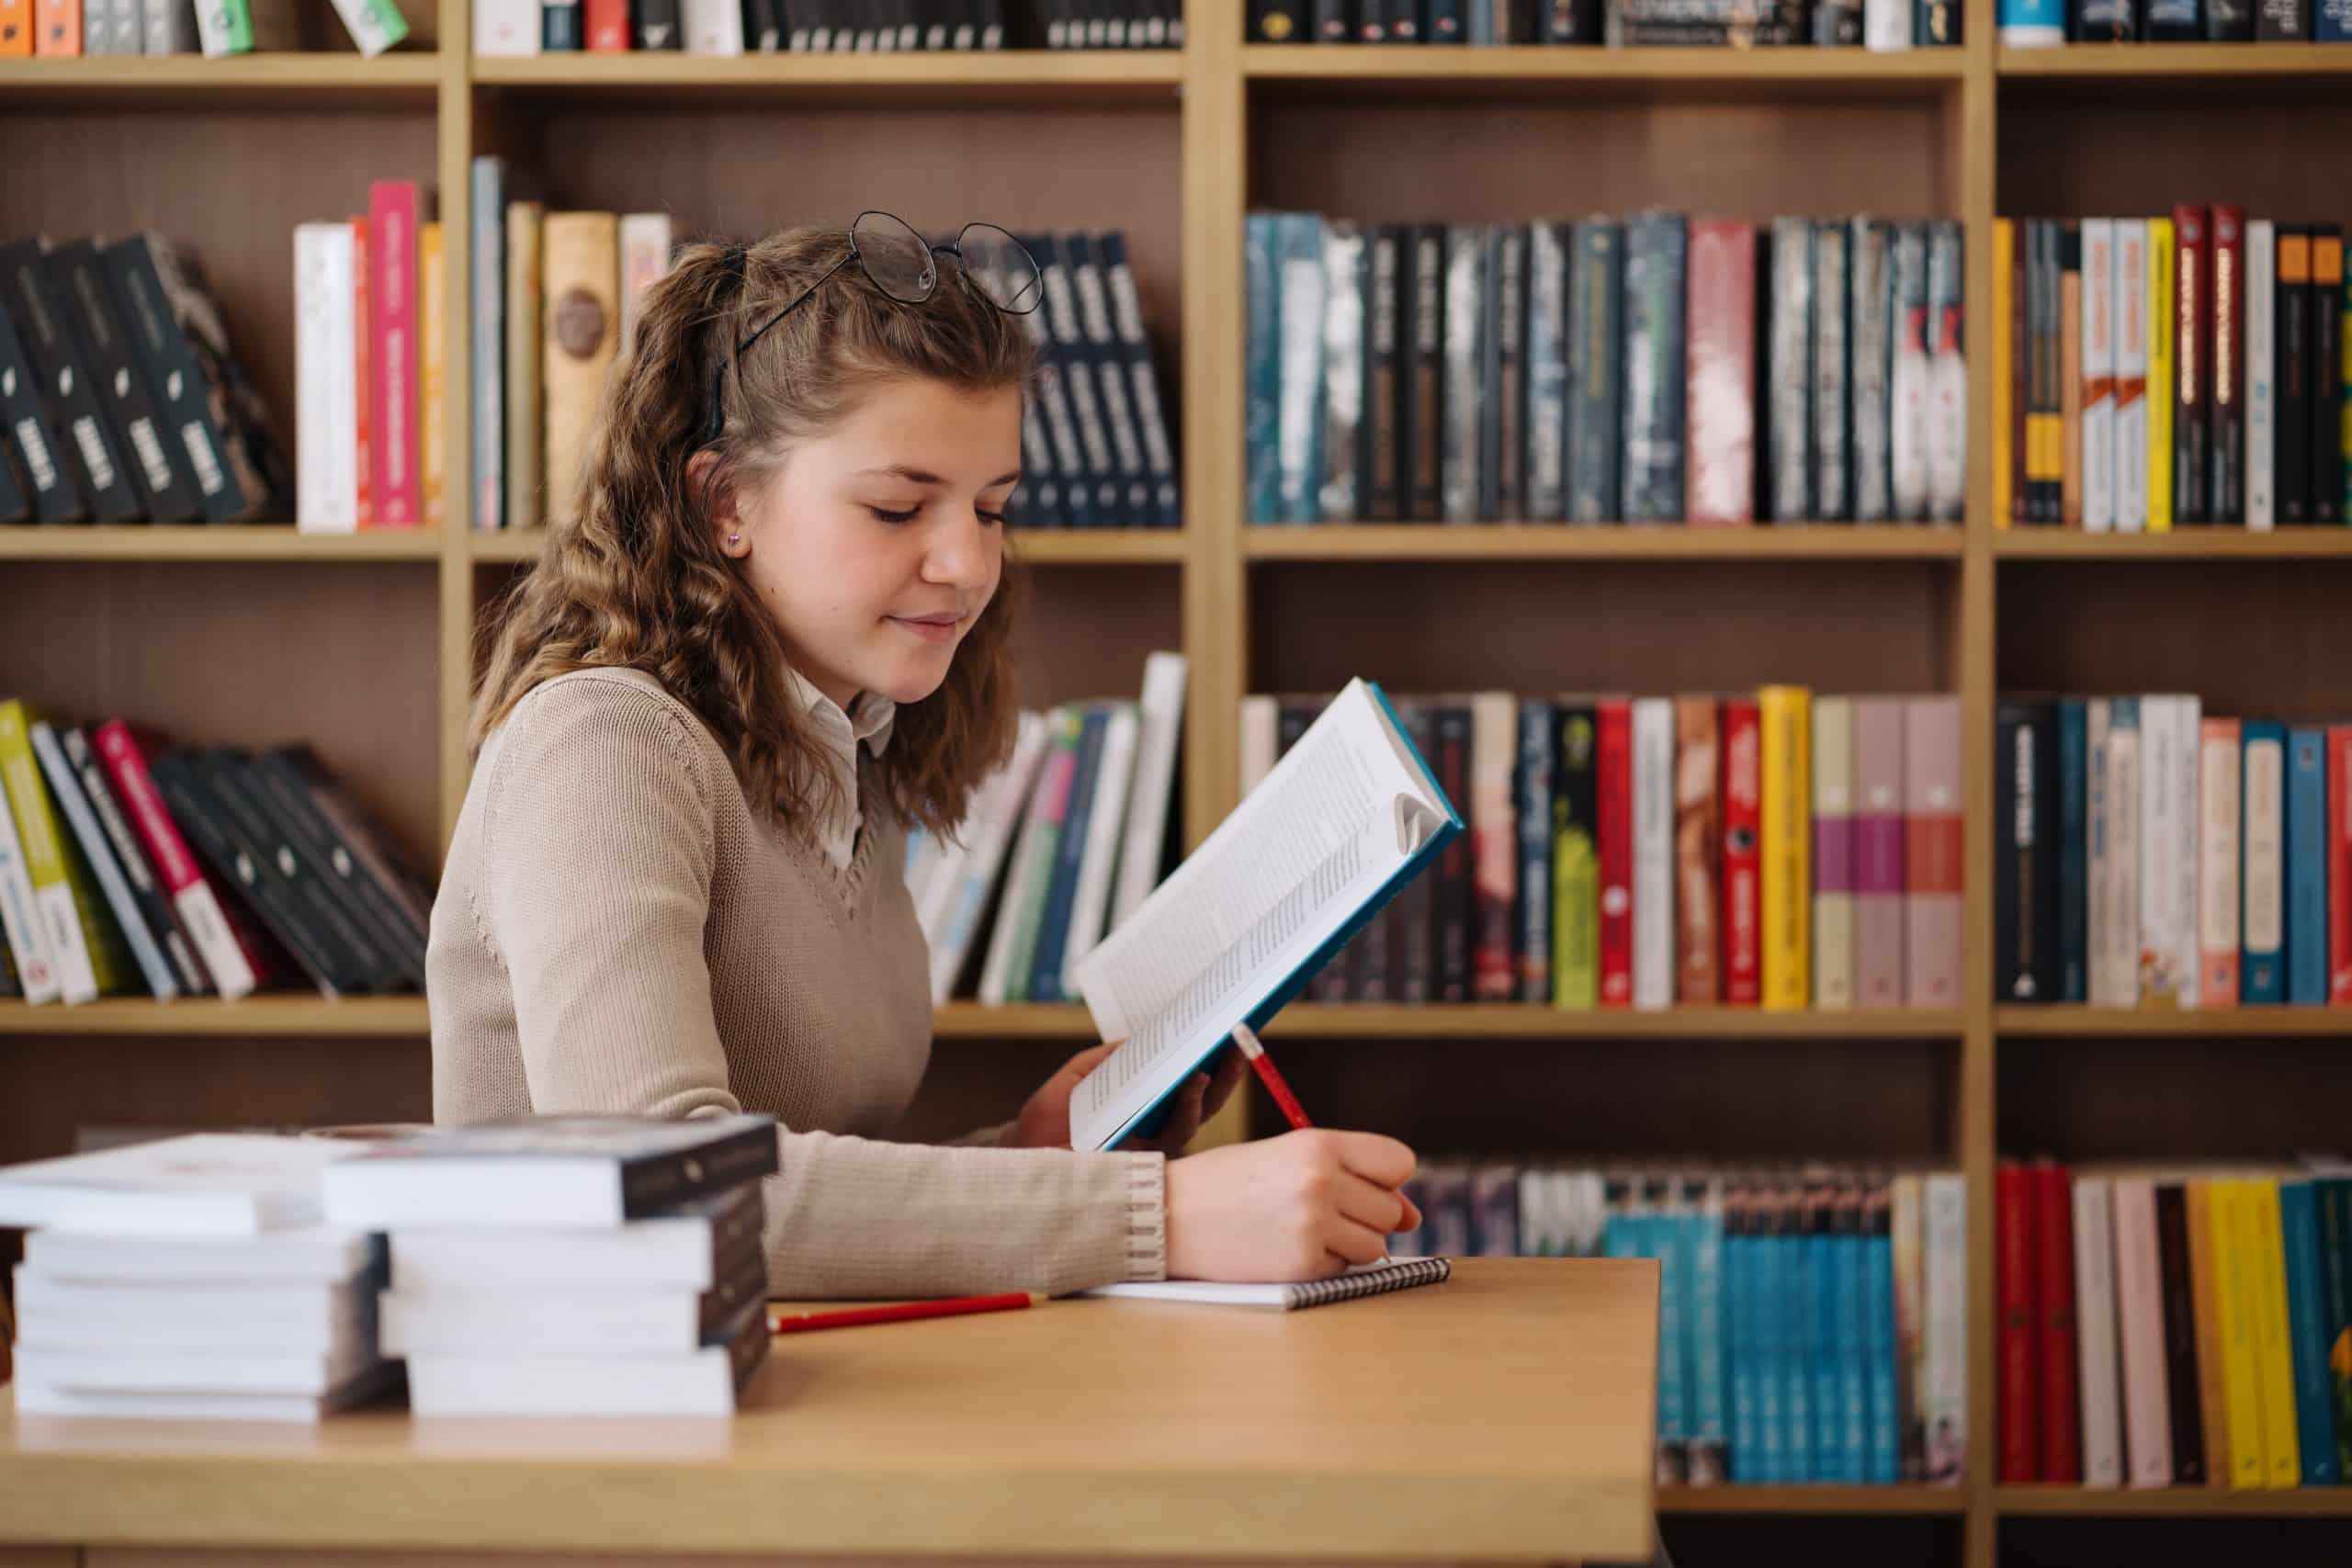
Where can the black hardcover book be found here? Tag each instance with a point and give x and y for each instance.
(2025, 913)
(561, 28)
(2226, 389)
(2193, 361)
(1836, 24)
(1441, 22)
(1595, 371)
(248, 436)
(89, 450)
(1075, 357)
(2173, 1272)
(29, 444)
(2327, 378)
(2173, 21)
(15, 505)
(1412, 945)
(1405, 21)
(228, 488)
(2282, 21)
(1936, 24)
(131, 858)
(1132, 506)
(1657, 288)
(992, 24)
(1166, 509)
(2229, 21)
(2291, 346)
(1572, 21)
(1503, 475)
(1069, 854)
(762, 27)
(1421, 416)
(1467, 410)
(349, 865)
(214, 836)
(1544, 368)
(1078, 508)
(1457, 892)
(166, 490)
(1275, 21)
(2104, 21)
(1576, 852)
(1833, 400)
(1334, 21)
(1532, 890)
(1381, 448)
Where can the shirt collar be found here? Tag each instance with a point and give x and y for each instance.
(869, 719)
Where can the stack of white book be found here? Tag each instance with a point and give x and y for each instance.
(571, 1266)
(191, 1278)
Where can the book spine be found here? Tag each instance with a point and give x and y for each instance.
(2305, 859)
(2070, 373)
(2205, 1290)
(1596, 369)
(2225, 468)
(1534, 893)
(2326, 375)
(92, 455)
(1653, 884)
(1112, 786)
(2262, 923)
(1789, 375)
(582, 262)
(1069, 854)
(2161, 812)
(325, 374)
(2281, 1451)
(2163, 322)
(2175, 1275)
(1466, 411)
(2139, 1315)
(2308, 1334)
(1833, 774)
(227, 486)
(2261, 318)
(349, 944)
(2193, 351)
(2236, 1256)
(1947, 374)
(1493, 753)
(1378, 465)
(1143, 383)
(2130, 327)
(165, 488)
(1297, 239)
(366, 424)
(1823, 1341)
(2291, 343)
(1424, 419)
(1742, 795)
(1786, 717)
(2229, 21)
(501, 27)
(1012, 950)
(2101, 1417)
(2099, 374)
(1906, 1223)
(1873, 333)
(2013, 1285)
(2057, 1385)
(2339, 864)
(24, 414)
(1883, 1452)
(2072, 841)
(1709, 1340)
(97, 854)
(1343, 381)
(68, 942)
(1908, 387)
(1298, 384)
(1945, 1361)
(607, 25)
(1456, 891)
(1655, 289)
(1698, 837)
(391, 259)
(1720, 373)
(1503, 435)
(1073, 483)
(2221, 761)
(2005, 502)
(1832, 398)
(21, 922)
(1132, 482)
(526, 364)
(432, 376)
(234, 967)
(1614, 756)
(1877, 833)
(2335, 1197)
(2115, 962)
(1549, 247)
(488, 325)
(1412, 975)
(1576, 859)
(1932, 851)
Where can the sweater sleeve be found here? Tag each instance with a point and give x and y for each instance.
(599, 861)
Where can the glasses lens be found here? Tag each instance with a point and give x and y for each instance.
(1001, 267)
(895, 257)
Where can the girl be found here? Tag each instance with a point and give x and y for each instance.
(775, 636)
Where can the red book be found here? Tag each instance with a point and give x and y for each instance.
(2193, 360)
(58, 28)
(2013, 1275)
(1719, 374)
(2053, 1235)
(607, 27)
(1743, 819)
(363, 360)
(391, 257)
(2339, 864)
(1613, 756)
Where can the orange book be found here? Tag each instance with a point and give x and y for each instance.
(15, 29)
(431, 358)
(363, 366)
(58, 25)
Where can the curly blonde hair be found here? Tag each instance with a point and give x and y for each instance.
(637, 578)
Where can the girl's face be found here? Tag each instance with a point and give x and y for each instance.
(877, 545)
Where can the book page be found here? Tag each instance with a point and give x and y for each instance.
(1331, 825)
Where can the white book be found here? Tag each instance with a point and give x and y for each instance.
(1886, 24)
(319, 1254)
(212, 24)
(682, 1250)
(373, 29)
(2140, 1333)
(2094, 1329)
(2261, 374)
(326, 381)
(1156, 760)
(272, 1317)
(1260, 715)
(939, 870)
(963, 896)
(699, 1382)
(2264, 927)
(20, 918)
(1832, 772)
(612, 1320)
(1029, 869)
(146, 1370)
(925, 852)
(36, 1397)
(714, 27)
(98, 853)
(2099, 374)
(2033, 35)
(1946, 1371)
(54, 910)
(2221, 761)
(2162, 807)
(1653, 848)
(1340, 822)
(2131, 376)
(506, 27)
(2115, 958)
(216, 1184)
(645, 242)
(1105, 827)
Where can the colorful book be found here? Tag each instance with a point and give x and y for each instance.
(1785, 715)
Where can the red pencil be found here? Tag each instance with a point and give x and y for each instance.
(1247, 1038)
(850, 1318)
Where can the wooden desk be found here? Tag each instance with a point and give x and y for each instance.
(1506, 1414)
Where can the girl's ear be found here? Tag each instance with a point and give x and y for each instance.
(726, 520)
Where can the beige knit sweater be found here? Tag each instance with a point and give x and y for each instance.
(618, 931)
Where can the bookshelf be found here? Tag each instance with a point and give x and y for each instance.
(366, 644)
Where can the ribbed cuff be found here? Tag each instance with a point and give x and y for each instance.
(1147, 1216)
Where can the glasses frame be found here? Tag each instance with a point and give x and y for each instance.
(1035, 291)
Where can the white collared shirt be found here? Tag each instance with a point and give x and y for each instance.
(868, 723)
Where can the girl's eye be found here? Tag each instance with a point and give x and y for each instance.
(994, 518)
(883, 515)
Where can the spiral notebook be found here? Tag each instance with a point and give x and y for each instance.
(1365, 1279)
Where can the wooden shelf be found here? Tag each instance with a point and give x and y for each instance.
(412, 75)
(1529, 1021)
(2124, 1024)
(1036, 547)
(1818, 1502)
(2176, 61)
(1011, 75)
(1562, 541)
(2304, 543)
(258, 542)
(1017, 1021)
(1828, 71)
(2174, 1503)
(294, 1014)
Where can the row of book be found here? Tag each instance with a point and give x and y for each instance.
(129, 867)
(602, 1267)
(2152, 855)
(2028, 24)
(1060, 847)
(2186, 1327)
(122, 398)
(1777, 849)
(1738, 24)
(64, 28)
(370, 366)
(1812, 1322)
(2169, 371)
(1655, 369)
(820, 27)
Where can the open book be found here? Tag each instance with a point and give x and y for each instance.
(1346, 817)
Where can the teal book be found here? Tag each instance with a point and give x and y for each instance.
(2307, 867)
(1747, 1452)
(2263, 882)
(1262, 366)
(1070, 856)
(2299, 1230)
(1710, 1350)
(1884, 1459)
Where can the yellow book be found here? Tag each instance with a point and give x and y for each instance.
(432, 370)
(2004, 280)
(2282, 1459)
(580, 271)
(2204, 1293)
(64, 893)
(1784, 714)
(2240, 1382)
(1576, 865)
(2160, 386)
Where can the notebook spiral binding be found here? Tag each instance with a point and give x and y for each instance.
(1348, 1287)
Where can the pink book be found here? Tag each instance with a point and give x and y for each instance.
(2140, 1318)
(1878, 852)
(1934, 840)
(1720, 373)
(391, 306)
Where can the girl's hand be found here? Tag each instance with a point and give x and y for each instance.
(1045, 1121)
(1303, 1206)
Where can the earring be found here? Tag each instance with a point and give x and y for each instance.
(734, 539)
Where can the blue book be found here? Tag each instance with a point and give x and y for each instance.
(1764, 1294)
(1532, 795)
(1739, 1281)
(2307, 867)
(1824, 1356)
(1795, 1349)
(1298, 374)
(2074, 851)
(1710, 1346)
(1851, 1347)
(1883, 1464)
(2032, 21)
(1261, 403)
(1666, 1228)
(2262, 881)
(2332, 21)
(1069, 854)
(2307, 1318)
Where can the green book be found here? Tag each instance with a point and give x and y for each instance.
(1576, 861)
